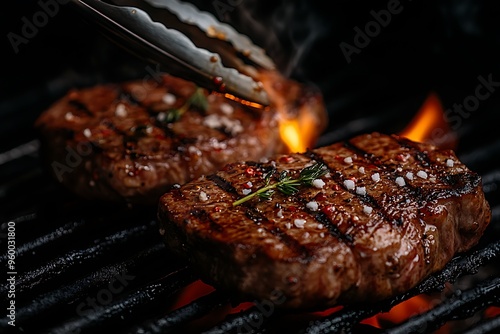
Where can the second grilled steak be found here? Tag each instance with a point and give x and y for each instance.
(131, 141)
(385, 213)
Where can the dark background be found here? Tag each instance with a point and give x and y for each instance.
(440, 46)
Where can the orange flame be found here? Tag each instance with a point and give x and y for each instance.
(430, 125)
(298, 134)
(299, 123)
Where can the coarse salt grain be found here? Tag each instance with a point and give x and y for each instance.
(260, 230)
(299, 223)
(203, 196)
(361, 170)
(249, 184)
(409, 176)
(161, 116)
(69, 116)
(279, 214)
(367, 209)
(349, 184)
(318, 183)
(169, 98)
(376, 177)
(422, 174)
(361, 191)
(450, 163)
(400, 181)
(246, 191)
(87, 133)
(288, 225)
(120, 110)
(348, 160)
(313, 206)
(320, 226)
(215, 121)
(322, 234)
(226, 108)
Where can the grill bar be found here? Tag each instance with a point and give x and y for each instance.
(76, 259)
(50, 239)
(183, 315)
(460, 305)
(468, 264)
(54, 301)
(489, 326)
(143, 302)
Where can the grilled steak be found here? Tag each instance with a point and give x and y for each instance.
(387, 213)
(131, 141)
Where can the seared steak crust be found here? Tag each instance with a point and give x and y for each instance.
(390, 212)
(117, 142)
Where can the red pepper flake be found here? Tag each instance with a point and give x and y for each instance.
(336, 187)
(106, 132)
(250, 171)
(292, 208)
(328, 210)
(401, 157)
(352, 178)
(247, 185)
(320, 196)
(217, 209)
(286, 159)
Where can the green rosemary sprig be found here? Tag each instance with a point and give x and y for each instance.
(286, 184)
(198, 100)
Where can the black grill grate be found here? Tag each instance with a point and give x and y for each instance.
(88, 267)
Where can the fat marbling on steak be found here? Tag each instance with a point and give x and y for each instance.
(387, 213)
(131, 141)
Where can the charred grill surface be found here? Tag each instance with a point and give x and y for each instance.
(390, 212)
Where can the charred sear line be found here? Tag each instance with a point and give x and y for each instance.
(332, 228)
(222, 183)
(80, 106)
(420, 156)
(205, 217)
(302, 251)
(339, 179)
(322, 218)
(462, 184)
(358, 151)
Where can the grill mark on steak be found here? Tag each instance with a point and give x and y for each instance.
(261, 220)
(370, 156)
(223, 184)
(80, 106)
(299, 249)
(205, 216)
(333, 229)
(420, 156)
(339, 179)
(415, 193)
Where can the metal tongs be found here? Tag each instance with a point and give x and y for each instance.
(185, 42)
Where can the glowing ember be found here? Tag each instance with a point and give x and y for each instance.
(402, 312)
(430, 125)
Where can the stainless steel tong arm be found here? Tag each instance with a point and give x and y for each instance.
(128, 24)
